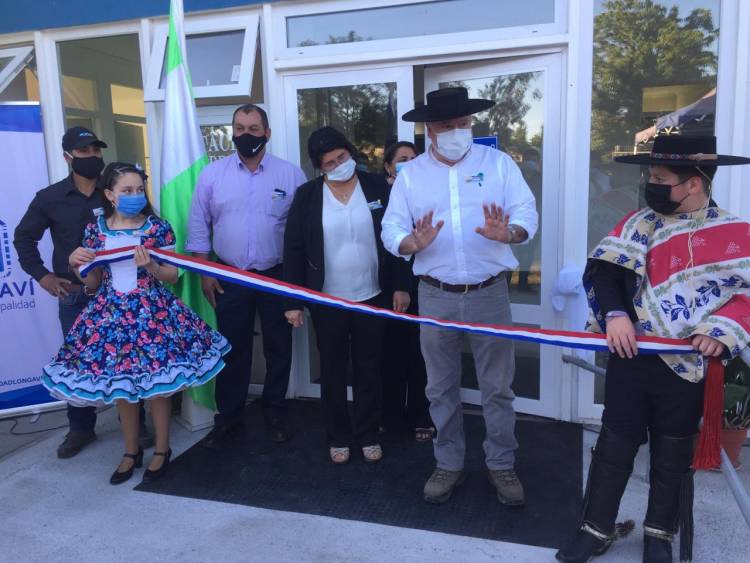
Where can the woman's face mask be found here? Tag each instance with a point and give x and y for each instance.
(128, 196)
(131, 205)
(343, 171)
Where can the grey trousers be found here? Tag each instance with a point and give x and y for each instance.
(495, 367)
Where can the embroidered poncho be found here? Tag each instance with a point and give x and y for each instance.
(676, 297)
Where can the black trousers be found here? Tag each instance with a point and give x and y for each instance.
(339, 334)
(235, 314)
(644, 395)
(404, 374)
(80, 419)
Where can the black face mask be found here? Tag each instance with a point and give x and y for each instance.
(89, 167)
(249, 145)
(658, 198)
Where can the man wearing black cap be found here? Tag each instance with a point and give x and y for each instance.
(65, 208)
(480, 205)
(677, 269)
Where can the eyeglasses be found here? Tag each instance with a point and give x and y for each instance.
(329, 165)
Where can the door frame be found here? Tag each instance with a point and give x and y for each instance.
(543, 315)
(551, 402)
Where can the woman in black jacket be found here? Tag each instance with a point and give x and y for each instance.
(332, 244)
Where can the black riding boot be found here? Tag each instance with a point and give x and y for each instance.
(670, 499)
(611, 466)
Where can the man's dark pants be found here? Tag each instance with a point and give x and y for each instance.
(235, 314)
(644, 395)
(81, 419)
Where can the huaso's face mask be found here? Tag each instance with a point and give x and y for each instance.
(454, 144)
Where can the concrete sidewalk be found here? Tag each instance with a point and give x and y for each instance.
(65, 510)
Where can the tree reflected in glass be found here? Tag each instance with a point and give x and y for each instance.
(365, 113)
(654, 74)
(655, 69)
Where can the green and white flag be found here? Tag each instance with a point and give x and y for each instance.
(182, 159)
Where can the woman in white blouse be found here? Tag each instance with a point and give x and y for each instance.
(332, 244)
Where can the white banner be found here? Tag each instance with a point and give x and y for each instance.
(29, 327)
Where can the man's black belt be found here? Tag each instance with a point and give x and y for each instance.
(267, 272)
(463, 287)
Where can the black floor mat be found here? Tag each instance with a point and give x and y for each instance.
(297, 476)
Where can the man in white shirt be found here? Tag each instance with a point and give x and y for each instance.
(458, 207)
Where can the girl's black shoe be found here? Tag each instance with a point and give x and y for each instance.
(150, 475)
(120, 477)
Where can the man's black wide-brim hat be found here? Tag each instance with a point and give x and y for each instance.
(447, 103)
(683, 150)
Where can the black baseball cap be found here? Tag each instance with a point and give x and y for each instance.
(79, 137)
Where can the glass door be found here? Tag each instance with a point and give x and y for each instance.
(366, 105)
(525, 123)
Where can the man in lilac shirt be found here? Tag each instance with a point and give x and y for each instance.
(238, 214)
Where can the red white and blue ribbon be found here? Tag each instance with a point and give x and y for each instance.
(563, 338)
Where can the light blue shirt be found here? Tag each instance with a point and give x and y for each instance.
(241, 215)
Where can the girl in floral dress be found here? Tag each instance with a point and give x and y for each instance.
(135, 340)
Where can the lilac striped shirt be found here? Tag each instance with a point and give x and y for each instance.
(241, 215)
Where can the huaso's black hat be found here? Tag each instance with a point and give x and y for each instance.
(447, 103)
(683, 150)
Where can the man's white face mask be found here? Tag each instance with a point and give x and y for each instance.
(454, 144)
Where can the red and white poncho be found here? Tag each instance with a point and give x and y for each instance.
(682, 294)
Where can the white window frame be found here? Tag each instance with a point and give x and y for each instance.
(216, 115)
(19, 56)
(282, 12)
(198, 25)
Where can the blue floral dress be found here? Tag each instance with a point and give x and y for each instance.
(135, 340)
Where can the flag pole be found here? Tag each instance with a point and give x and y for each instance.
(183, 157)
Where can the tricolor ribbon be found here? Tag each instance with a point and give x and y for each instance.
(564, 338)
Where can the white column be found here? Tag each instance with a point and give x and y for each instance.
(732, 103)
(273, 84)
(740, 178)
(50, 97)
(194, 416)
(577, 391)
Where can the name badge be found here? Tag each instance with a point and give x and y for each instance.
(98, 212)
(478, 178)
(373, 205)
